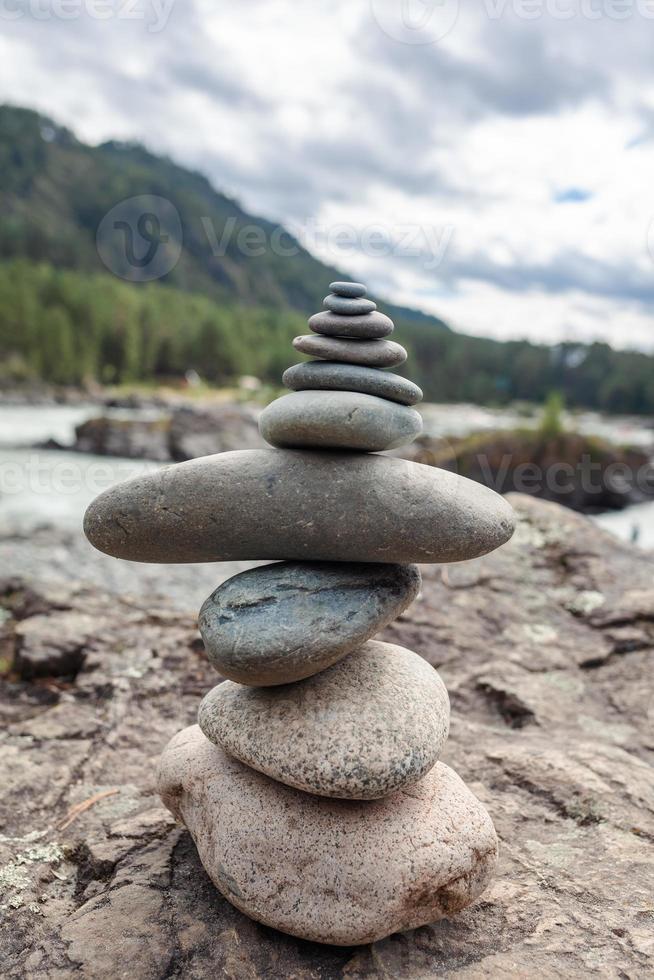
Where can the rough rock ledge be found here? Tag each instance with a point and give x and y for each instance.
(546, 648)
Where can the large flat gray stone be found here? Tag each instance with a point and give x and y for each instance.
(332, 375)
(284, 504)
(338, 420)
(335, 871)
(285, 621)
(372, 724)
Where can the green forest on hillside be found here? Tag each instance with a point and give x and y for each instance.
(68, 327)
(65, 319)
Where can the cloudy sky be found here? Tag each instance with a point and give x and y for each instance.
(493, 164)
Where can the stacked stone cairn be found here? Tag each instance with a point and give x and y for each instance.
(312, 785)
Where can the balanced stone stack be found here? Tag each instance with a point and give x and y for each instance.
(312, 785)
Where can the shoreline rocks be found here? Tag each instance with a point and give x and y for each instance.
(585, 473)
(556, 754)
(171, 433)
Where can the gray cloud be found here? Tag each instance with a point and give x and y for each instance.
(519, 72)
(219, 84)
(567, 271)
(397, 107)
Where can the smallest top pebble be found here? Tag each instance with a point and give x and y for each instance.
(350, 289)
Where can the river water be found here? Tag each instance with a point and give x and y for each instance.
(44, 493)
(43, 496)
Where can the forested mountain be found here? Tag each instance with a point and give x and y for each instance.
(55, 192)
(224, 312)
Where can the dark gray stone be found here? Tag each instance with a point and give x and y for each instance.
(351, 289)
(370, 326)
(371, 725)
(286, 621)
(338, 420)
(372, 353)
(348, 307)
(332, 375)
(284, 504)
(131, 438)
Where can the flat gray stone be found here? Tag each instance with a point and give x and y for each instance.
(370, 326)
(332, 871)
(286, 621)
(332, 375)
(284, 504)
(345, 306)
(372, 724)
(351, 289)
(372, 353)
(338, 420)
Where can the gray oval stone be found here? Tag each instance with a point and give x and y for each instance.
(332, 375)
(345, 306)
(338, 420)
(370, 326)
(285, 504)
(370, 725)
(330, 871)
(351, 289)
(283, 622)
(373, 353)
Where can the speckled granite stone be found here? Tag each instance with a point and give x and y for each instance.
(333, 871)
(286, 621)
(373, 723)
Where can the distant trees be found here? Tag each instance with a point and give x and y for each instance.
(66, 327)
(69, 327)
(455, 367)
(221, 310)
